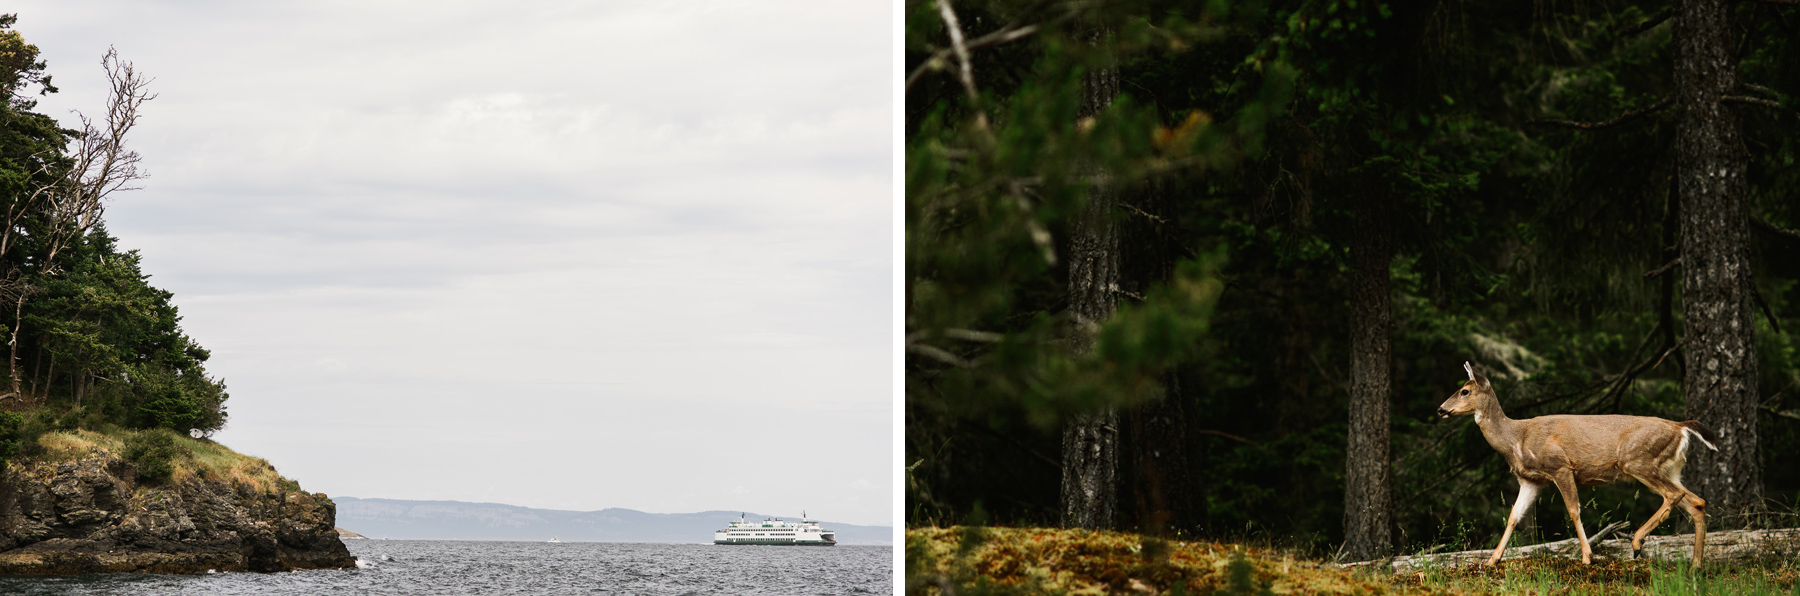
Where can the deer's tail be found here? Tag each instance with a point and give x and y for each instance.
(1700, 431)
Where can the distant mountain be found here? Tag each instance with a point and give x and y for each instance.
(456, 520)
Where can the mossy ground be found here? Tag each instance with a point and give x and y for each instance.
(196, 458)
(976, 560)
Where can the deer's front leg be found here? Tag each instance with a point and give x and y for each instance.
(1527, 493)
(1565, 482)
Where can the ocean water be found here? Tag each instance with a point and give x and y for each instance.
(442, 567)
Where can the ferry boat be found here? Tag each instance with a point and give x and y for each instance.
(775, 532)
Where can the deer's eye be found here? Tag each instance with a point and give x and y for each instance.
(1465, 392)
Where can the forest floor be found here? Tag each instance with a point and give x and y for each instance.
(963, 561)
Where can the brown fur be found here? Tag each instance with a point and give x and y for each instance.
(1568, 452)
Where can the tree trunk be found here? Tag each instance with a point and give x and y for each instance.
(12, 342)
(49, 380)
(37, 366)
(1157, 481)
(1090, 441)
(1720, 387)
(1367, 504)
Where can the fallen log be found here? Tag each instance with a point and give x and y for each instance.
(1721, 547)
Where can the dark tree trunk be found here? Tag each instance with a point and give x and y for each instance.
(1720, 387)
(1159, 477)
(1297, 411)
(1665, 298)
(1090, 441)
(1367, 504)
(1157, 482)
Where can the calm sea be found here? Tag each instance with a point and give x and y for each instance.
(435, 567)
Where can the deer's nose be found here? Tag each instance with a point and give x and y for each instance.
(1443, 413)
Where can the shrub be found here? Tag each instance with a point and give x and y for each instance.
(12, 434)
(153, 452)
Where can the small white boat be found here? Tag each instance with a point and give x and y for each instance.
(553, 539)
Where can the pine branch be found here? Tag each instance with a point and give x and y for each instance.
(1622, 118)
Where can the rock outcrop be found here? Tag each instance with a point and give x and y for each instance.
(91, 515)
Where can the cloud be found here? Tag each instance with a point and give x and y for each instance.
(479, 234)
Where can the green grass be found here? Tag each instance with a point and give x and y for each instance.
(1565, 577)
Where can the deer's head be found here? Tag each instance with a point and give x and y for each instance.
(1469, 398)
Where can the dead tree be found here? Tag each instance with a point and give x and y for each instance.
(71, 205)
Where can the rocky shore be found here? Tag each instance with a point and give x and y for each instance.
(91, 515)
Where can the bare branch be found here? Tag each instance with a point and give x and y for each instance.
(1648, 24)
(962, 334)
(1767, 103)
(967, 72)
(1764, 304)
(1005, 35)
(1760, 89)
(102, 163)
(938, 354)
(1778, 231)
(1227, 435)
(1663, 269)
(1795, 414)
(1626, 117)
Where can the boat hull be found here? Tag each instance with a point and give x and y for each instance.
(773, 543)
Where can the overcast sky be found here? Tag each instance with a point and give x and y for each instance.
(571, 255)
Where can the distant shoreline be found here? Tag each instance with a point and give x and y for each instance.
(401, 519)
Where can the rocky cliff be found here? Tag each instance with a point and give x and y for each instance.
(91, 514)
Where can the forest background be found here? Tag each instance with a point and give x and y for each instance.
(1208, 269)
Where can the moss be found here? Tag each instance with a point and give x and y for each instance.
(1053, 561)
(977, 560)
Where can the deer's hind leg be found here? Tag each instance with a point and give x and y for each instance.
(1695, 508)
(1565, 483)
(1662, 513)
(1673, 494)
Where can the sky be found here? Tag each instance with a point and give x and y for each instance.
(569, 255)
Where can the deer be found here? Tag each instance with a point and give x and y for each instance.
(1571, 451)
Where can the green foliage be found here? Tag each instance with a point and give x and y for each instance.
(153, 452)
(995, 180)
(91, 340)
(12, 434)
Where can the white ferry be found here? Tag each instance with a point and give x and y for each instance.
(776, 532)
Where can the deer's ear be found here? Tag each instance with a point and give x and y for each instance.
(1481, 378)
(1470, 369)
